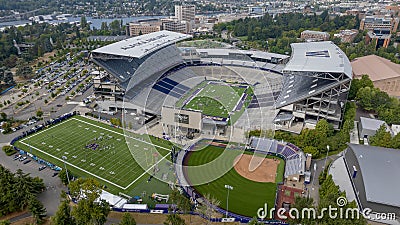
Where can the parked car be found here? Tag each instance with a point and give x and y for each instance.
(22, 158)
(27, 161)
(17, 157)
(42, 168)
(55, 174)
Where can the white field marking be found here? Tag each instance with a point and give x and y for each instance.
(94, 175)
(122, 134)
(86, 170)
(145, 172)
(70, 164)
(46, 129)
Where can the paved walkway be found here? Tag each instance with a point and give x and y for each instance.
(340, 177)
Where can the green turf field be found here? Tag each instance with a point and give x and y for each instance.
(216, 100)
(111, 162)
(247, 196)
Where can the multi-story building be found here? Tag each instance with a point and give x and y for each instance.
(138, 28)
(311, 35)
(175, 25)
(378, 22)
(185, 12)
(378, 37)
(347, 36)
(316, 83)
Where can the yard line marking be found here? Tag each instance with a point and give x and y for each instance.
(45, 129)
(90, 173)
(145, 172)
(94, 175)
(122, 134)
(66, 162)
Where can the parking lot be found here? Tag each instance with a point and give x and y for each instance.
(51, 196)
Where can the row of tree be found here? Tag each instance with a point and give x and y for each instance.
(18, 192)
(270, 26)
(373, 99)
(383, 138)
(329, 193)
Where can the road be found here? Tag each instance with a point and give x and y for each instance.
(313, 187)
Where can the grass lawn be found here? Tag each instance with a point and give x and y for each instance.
(216, 100)
(246, 197)
(109, 159)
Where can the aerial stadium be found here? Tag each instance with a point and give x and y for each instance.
(216, 95)
(183, 106)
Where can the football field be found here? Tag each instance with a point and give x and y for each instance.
(98, 150)
(216, 99)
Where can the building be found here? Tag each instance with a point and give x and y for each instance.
(347, 36)
(384, 74)
(311, 35)
(316, 84)
(380, 38)
(373, 173)
(185, 12)
(143, 27)
(368, 127)
(378, 22)
(256, 10)
(176, 26)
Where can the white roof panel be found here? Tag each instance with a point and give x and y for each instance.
(318, 57)
(139, 46)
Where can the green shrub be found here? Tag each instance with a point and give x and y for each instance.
(9, 150)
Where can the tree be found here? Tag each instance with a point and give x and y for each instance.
(63, 215)
(3, 116)
(63, 176)
(39, 113)
(24, 70)
(381, 138)
(395, 142)
(86, 191)
(127, 219)
(174, 219)
(37, 209)
(301, 203)
(84, 23)
(357, 84)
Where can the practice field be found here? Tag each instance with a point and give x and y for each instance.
(94, 149)
(216, 99)
(247, 196)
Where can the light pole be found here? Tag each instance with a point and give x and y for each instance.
(65, 166)
(227, 198)
(327, 152)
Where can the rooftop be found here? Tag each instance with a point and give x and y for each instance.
(371, 124)
(318, 57)
(256, 54)
(380, 167)
(376, 67)
(139, 46)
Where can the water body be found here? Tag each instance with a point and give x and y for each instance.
(96, 23)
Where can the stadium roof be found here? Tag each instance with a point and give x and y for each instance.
(256, 54)
(140, 46)
(318, 57)
(377, 68)
(380, 170)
